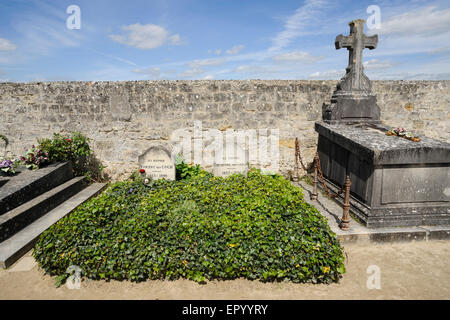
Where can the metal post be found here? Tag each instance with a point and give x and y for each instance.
(345, 220)
(316, 164)
(295, 174)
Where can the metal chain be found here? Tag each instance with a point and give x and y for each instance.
(322, 180)
(298, 158)
(345, 220)
(298, 154)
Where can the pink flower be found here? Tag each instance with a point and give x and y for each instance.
(146, 181)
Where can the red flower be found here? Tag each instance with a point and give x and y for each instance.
(142, 171)
(69, 140)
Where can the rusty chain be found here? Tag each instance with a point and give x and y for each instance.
(322, 180)
(298, 158)
(345, 220)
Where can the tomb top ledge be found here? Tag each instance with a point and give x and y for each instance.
(372, 144)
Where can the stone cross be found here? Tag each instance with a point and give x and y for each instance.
(356, 42)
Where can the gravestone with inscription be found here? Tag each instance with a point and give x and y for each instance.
(395, 182)
(158, 163)
(235, 160)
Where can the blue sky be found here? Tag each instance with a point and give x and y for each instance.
(212, 39)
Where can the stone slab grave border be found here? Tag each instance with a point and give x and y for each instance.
(27, 184)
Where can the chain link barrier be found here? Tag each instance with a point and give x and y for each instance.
(299, 159)
(318, 175)
(322, 180)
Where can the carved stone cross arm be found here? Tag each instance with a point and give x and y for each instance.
(343, 41)
(347, 42)
(371, 42)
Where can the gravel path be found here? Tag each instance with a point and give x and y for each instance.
(417, 270)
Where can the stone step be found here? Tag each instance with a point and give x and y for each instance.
(21, 216)
(20, 243)
(28, 184)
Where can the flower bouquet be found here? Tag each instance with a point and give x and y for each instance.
(7, 167)
(35, 158)
(401, 132)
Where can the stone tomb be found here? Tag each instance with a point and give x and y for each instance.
(158, 163)
(395, 182)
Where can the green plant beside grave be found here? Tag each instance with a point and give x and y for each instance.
(72, 147)
(250, 226)
(5, 139)
(184, 170)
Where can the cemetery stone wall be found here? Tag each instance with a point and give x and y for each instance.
(125, 118)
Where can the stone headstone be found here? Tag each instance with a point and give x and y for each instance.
(235, 161)
(223, 170)
(158, 163)
(352, 101)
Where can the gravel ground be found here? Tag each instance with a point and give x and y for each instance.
(414, 270)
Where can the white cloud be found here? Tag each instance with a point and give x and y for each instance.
(42, 34)
(113, 57)
(301, 22)
(297, 56)
(106, 72)
(152, 72)
(258, 69)
(377, 64)
(439, 50)
(175, 39)
(235, 49)
(327, 75)
(420, 23)
(206, 62)
(217, 51)
(146, 37)
(6, 45)
(191, 72)
(420, 30)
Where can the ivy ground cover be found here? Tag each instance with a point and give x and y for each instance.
(251, 226)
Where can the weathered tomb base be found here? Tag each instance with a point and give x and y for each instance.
(395, 182)
(351, 108)
(360, 234)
